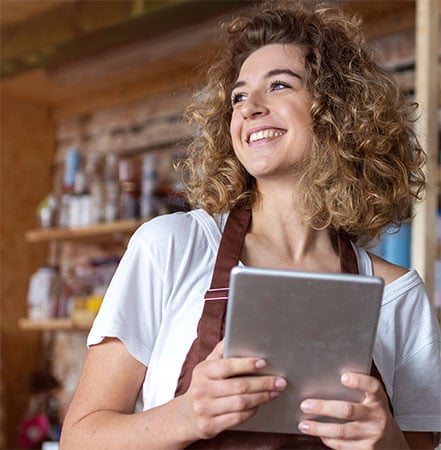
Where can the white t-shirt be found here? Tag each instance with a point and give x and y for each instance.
(156, 296)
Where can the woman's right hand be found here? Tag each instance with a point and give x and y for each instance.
(226, 392)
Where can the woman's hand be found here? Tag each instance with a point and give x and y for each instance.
(225, 392)
(370, 423)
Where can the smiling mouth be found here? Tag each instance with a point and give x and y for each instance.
(264, 134)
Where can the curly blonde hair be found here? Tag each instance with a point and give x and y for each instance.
(365, 166)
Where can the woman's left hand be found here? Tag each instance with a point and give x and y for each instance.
(370, 423)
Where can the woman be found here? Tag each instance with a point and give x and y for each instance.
(303, 143)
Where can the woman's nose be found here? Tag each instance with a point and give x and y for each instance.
(254, 106)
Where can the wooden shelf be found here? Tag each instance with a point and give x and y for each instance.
(122, 227)
(53, 325)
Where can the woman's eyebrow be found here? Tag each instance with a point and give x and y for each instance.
(270, 74)
(274, 72)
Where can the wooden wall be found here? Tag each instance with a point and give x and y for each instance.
(27, 149)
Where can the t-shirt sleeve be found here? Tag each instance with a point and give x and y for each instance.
(133, 304)
(417, 378)
(418, 405)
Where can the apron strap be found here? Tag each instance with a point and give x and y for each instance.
(230, 247)
(348, 258)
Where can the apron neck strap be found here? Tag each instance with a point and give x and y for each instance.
(348, 258)
(230, 246)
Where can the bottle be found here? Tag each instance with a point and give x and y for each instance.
(81, 200)
(71, 164)
(43, 293)
(111, 188)
(149, 180)
(46, 211)
(128, 183)
(95, 188)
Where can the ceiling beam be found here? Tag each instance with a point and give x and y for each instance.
(79, 29)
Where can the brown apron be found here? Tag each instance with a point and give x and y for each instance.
(211, 330)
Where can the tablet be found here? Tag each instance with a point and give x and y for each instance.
(310, 328)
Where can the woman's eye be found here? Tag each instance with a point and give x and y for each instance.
(237, 98)
(279, 85)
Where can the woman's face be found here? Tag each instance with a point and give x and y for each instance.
(271, 121)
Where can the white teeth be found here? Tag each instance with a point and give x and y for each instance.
(264, 134)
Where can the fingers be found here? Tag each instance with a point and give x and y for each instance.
(231, 377)
(328, 430)
(218, 404)
(331, 408)
(374, 394)
(354, 428)
(216, 367)
(230, 367)
(248, 385)
(367, 431)
(366, 421)
(371, 386)
(231, 404)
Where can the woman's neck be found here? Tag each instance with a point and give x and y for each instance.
(279, 238)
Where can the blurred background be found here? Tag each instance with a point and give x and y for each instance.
(92, 94)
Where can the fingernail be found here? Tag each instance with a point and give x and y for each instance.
(280, 383)
(274, 394)
(306, 406)
(303, 426)
(260, 364)
(346, 378)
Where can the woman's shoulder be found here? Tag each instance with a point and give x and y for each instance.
(386, 270)
(373, 265)
(401, 284)
(179, 224)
